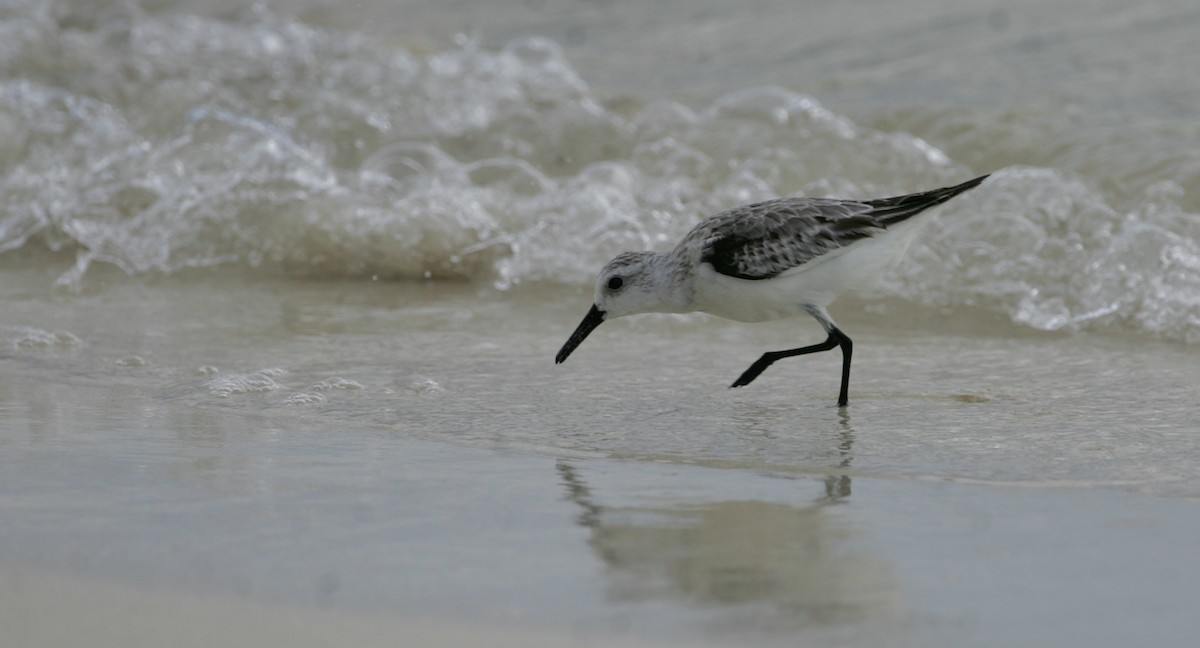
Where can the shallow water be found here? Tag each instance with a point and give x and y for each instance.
(370, 448)
(281, 290)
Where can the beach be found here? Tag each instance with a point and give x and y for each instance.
(282, 288)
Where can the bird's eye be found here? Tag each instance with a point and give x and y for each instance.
(615, 283)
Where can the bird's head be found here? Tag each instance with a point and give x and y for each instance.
(629, 284)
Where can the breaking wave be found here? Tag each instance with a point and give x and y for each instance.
(162, 144)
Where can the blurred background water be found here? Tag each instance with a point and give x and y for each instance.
(156, 141)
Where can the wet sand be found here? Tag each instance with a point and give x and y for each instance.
(39, 609)
(348, 460)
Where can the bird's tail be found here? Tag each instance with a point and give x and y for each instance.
(889, 211)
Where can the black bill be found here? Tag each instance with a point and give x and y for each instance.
(590, 321)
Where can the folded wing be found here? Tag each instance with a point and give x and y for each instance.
(763, 240)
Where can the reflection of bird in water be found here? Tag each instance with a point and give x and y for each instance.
(737, 554)
(837, 486)
(577, 492)
(834, 448)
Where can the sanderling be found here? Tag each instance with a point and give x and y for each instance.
(766, 261)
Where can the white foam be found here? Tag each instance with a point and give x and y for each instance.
(276, 146)
(234, 384)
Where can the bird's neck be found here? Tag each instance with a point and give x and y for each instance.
(674, 283)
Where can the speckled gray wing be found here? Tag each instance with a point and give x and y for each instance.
(765, 239)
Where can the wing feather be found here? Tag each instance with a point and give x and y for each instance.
(766, 239)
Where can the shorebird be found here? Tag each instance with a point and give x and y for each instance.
(766, 261)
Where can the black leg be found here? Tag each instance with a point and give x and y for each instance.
(836, 338)
(847, 349)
